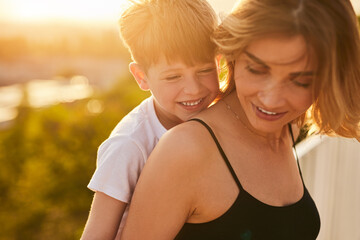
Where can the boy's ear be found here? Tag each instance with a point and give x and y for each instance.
(139, 75)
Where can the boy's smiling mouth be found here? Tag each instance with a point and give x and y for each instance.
(191, 103)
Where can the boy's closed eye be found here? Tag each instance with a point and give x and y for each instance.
(207, 70)
(172, 77)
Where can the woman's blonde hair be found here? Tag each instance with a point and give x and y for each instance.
(330, 28)
(176, 29)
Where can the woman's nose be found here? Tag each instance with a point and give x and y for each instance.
(272, 95)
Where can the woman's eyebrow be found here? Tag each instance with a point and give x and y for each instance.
(300, 74)
(294, 74)
(257, 60)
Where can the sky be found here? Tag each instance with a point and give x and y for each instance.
(105, 11)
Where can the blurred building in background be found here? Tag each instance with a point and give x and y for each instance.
(331, 171)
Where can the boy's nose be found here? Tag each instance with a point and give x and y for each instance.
(192, 86)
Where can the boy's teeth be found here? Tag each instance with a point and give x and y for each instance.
(191, 103)
(267, 112)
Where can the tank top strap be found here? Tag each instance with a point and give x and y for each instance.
(294, 148)
(221, 151)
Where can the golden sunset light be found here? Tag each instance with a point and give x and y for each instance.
(106, 11)
(64, 10)
(81, 86)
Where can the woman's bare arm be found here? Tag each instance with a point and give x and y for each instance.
(164, 195)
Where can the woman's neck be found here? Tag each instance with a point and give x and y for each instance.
(274, 139)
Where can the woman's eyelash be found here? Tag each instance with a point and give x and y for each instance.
(304, 85)
(300, 84)
(252, 70)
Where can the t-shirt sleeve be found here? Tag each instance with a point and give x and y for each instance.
(119, 163)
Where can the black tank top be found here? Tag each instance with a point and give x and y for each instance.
(251, 219)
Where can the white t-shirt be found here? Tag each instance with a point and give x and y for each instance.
(122, 156)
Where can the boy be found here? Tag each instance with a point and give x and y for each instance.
(174, 58)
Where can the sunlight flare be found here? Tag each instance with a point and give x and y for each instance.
(64, 10)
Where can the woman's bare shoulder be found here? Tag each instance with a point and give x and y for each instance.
(167, 185)
(186, 144)
(189, 129)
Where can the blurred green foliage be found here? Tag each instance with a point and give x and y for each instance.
(47, 159)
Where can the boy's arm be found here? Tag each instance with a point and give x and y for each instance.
(104, 218)
(119, 163)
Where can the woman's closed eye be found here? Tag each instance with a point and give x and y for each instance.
(302, 82)
(256, 70)
(302, 79)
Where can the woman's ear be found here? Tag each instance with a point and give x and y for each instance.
(139, 75)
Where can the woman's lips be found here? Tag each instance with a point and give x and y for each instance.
(267, 115)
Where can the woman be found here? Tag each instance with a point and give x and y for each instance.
(231, 173)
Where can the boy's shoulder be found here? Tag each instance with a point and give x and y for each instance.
(142, 118)
(140, 127)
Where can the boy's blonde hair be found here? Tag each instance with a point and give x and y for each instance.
(330, 29)
(175, 29)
